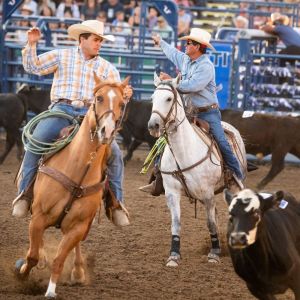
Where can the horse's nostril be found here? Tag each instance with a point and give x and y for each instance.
(156, 126)
(103, 130)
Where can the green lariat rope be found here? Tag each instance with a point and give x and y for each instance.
(156, 150)
(37, 147)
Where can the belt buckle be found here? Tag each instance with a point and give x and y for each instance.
(78, 103)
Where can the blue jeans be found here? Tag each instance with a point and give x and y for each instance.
(48, 130)
(213, 117)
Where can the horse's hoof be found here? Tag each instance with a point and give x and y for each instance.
(42, 264)
(173, 261)
(78, 277)
(50, 295)
(19, 264)
(213, 258)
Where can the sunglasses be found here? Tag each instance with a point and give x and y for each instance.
(192, 43)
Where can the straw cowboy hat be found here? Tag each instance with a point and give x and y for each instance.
(200, 36)
(283, 19)
(89, 26)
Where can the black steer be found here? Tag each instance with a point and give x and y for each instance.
(264, 241)
(13, 111)
(267, 134)
(135, 126)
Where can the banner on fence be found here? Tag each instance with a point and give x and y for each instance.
(222, 61)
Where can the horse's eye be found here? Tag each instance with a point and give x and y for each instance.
(169, 99)
(99, 99)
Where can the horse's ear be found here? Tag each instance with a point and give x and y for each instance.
(176, 80)
(156, 79)
(125, 82)
(96, 78)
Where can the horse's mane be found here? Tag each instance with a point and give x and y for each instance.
(105, 83)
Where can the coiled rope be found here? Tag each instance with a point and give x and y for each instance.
(156, 150)
(37, 147)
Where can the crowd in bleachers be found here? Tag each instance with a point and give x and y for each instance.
(122, 17)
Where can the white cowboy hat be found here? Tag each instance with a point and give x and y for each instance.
(89, 26)
(200, 36)
(276, 16)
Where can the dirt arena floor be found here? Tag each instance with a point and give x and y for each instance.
(129, 263)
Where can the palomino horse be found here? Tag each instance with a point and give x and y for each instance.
(82, 164)
(187, 163)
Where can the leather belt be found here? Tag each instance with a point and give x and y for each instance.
(76, 103)
(206, 108)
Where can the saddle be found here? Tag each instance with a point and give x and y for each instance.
(202, 127)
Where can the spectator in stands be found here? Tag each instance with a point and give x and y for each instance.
(163, 28)
(184, 22)
(185, 3)
(199, 89)
(134, 20)
(73, 84)
(32, 5)
(152, 18)
(21, 37)
(89, 10)
(240, 22)
(68, 7)
(279, 25)
(46, 11)
(129, 6)
(122, 29)
(259, 20)
(111, 7)
(45, 5)
(102, 18)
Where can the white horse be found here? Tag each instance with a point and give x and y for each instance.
(187, 165)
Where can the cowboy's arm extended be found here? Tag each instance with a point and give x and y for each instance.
(176, 56)
(199, 79)
(43, 64)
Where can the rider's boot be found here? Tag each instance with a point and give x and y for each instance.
(21, 205)
(155, 186)
(114, 209)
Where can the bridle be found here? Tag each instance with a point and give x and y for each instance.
(98, 119)
(166, 119)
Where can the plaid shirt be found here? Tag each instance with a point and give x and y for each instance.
(73, 74)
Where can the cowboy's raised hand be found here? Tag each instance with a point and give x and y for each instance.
(164, 76)
(128, 92)
(157, 39)
(33, 35)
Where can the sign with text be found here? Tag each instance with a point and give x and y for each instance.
(9, 8)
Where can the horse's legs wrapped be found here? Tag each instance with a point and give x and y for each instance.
(173, 202)
(212, 225)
